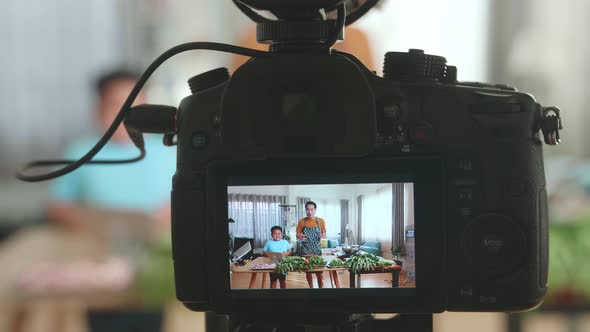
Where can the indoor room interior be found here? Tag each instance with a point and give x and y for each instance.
(362, 215)
(110, 268)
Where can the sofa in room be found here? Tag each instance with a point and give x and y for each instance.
(372, 247)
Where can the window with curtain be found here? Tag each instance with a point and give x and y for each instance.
(376, 215)
(254, 215)
(330, 211)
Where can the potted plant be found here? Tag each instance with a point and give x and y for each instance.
(398, 252)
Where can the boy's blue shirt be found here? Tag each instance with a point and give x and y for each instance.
(143, 186)
(276, 246)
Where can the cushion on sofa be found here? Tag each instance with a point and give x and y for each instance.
(374, 244)
(333, 243)
(372, 247)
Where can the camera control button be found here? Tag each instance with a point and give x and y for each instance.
(464, 181)
(392, 111)
(208, 79)
(462, 165)
(401, 133)
(494, 244)
(516, 188)
(465, 212)
(422, 133)
(487, 299)
(199, 140)
(465, 194)
(414, 65)
(466, 291)
(465, 165)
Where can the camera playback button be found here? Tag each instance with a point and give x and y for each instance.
(490, 300)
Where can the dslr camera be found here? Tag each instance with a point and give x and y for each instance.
(307, 117)
(458, 165)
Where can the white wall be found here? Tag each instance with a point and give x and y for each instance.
(455, 29)
(259, 190)
(51, 50)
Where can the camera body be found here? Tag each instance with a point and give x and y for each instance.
(472, 151)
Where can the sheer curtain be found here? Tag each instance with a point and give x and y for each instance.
(377, 215)
(254, 215)
(344, 205)
(330, 210)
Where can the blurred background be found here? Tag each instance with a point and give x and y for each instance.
(53, 52)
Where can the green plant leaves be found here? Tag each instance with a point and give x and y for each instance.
(336, 263)
(355, 263)
(569, 245)
(361, 262)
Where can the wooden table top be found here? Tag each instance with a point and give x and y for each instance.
(267, 260)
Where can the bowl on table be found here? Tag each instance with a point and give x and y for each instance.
(350, 250)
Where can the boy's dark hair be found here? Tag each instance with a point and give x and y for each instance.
(117, 74)
(275, 228)
(312, 203)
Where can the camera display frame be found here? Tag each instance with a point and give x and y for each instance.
(425, 173)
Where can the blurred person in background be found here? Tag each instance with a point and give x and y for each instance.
(106, 222)
(94, 192)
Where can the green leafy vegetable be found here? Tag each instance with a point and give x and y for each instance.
(336, 263)
(299, 264)
(314, 261)
(362, 262)
(290, 263)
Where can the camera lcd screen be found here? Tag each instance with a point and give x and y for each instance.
(302, 236)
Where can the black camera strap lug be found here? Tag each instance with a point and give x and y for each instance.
(551, 124)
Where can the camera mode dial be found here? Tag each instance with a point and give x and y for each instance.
(208, 79)
(414, 66)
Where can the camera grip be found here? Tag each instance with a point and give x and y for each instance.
(189, 253)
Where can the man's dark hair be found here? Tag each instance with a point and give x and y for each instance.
(275, 228)
(118, 74)
(312, 203)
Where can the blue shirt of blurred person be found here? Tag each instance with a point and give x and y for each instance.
(141, 186)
